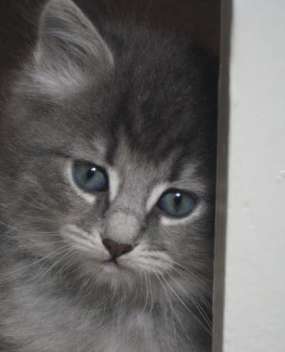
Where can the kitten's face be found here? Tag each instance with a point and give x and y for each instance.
(107, 167)
(135, 202)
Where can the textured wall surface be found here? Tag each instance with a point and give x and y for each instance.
(254, 312)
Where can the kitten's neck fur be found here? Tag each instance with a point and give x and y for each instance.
(96, 320)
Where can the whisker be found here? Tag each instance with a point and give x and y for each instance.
(173, 310)
(150, 294)
(146, 292)
(67, 253)
(203, 313)
(27, 266)
(183, 303)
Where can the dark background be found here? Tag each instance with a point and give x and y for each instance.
(18, 19)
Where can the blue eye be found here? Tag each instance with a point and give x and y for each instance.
(177, 204)
(90, 177)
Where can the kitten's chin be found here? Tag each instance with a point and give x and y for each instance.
(127, 277)
(111, 268)
(117, 277)
(107, 271)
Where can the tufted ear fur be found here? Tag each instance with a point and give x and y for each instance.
(68, 47)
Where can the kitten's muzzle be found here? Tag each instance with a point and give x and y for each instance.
(116, 249)
(122, 227)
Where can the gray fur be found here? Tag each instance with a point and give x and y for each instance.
(143, 109)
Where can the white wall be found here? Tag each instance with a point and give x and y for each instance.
(254, 310)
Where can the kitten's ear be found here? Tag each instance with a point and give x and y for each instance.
(65, 32)
(67, 40)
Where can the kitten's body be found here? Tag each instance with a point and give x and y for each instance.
(143, 104)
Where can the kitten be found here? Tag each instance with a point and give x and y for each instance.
(107, 174)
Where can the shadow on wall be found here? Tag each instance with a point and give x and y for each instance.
(222, 176)
(198, 17)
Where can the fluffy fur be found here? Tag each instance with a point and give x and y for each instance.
(141, 104)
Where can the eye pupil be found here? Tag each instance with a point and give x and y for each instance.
(91, 172)
(177, 200)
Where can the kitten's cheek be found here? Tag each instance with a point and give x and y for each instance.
(88, 245)
(130, 263)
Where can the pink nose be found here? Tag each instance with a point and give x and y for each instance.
(116, 249)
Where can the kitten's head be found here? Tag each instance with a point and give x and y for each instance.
(108, 153)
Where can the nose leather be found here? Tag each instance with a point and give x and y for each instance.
(116, 249)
